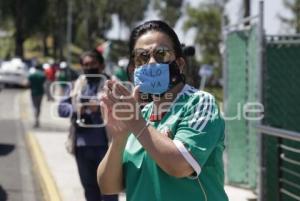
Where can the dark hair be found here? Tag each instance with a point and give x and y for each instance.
(94, 54)
(39, 67)
(155, 25)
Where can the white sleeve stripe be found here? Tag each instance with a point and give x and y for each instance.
(202, 124)
(188, 157)
(207, 118)
(208, 104)
(201, 101)
(198, 111)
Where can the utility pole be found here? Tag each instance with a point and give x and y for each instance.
(69, 32)
(297, 17)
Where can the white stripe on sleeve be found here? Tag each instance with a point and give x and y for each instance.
(188, 157)
(204, 119)
(199, 117)
(198, 111)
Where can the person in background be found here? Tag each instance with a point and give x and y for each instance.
(36, 83)
(82, 106)
(62, 78)
(121, 71)
(50, 75)
(172, 149)
(65, 75)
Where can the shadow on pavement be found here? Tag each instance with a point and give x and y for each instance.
(3, 194)
(5, 149)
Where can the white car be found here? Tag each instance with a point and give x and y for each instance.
(14, 72)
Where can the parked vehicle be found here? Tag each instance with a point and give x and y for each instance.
(14, 72)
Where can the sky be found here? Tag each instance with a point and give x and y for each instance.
(272, 9)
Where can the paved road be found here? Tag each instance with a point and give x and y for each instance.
(17, 180)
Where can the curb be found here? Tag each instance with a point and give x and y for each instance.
(46, 181)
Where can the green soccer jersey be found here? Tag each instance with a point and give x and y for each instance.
(197, 130)
(36, 80)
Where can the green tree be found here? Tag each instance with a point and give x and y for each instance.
(57, 14)
(53, 25)
(294, 21)
(129, 11)
(93, 18)
(92, 21)
(169, 10)
(207, 21)
(26, 15)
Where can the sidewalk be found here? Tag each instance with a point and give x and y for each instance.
(56, 168)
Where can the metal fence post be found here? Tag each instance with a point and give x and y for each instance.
(261, 168)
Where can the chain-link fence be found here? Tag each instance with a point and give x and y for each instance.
(263, 69)
(242, 80)
(281, 98)
(279, 75)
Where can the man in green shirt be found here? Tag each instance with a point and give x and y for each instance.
(120, 72)
(36, 81)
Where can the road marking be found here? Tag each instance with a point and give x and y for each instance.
(23, 106)
(48, 185)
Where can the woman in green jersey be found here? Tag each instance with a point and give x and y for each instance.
(172, 149)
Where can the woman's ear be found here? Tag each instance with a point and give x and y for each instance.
(181, 64)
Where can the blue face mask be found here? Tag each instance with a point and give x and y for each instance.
(152, 78)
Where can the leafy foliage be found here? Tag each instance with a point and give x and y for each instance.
(92, 19)
(294, 7)
(26, 16)
(207, 21)
(169, 10)
(130, 11)
(46, 20)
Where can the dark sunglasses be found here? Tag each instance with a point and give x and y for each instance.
(160, 54)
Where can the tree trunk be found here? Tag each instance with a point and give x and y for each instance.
(89, 25)
(19, 40)
(61, 33)
(55, 46)
(90, 33)
(45, 46)
(19, 35)
(61, 38)
(298, 18)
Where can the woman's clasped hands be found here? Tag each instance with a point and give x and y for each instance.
(119, 108)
